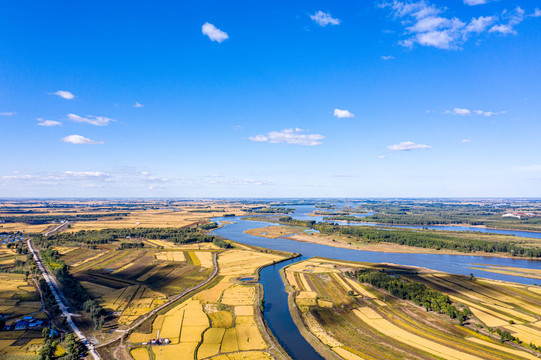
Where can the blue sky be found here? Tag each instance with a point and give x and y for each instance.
(270, 98)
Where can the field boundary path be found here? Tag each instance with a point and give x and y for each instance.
(61, 301)
(58, 228)
(161, 307)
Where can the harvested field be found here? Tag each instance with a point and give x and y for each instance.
(221, 318)
(352, 319)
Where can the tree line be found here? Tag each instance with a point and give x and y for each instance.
(420, 294)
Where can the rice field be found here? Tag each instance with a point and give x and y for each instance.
(19, 298)
(132, 282)
(358, 321)
(218, 320)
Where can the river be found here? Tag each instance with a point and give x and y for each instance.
(276, 311)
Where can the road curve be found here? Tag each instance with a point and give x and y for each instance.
(61, 301)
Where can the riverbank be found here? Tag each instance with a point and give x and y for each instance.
(351, 319)
(345, 242)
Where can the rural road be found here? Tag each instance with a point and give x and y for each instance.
(62, 302)
(58, 228)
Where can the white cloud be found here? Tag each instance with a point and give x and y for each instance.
(513, 19)
(7, 113)
(380, 157)
(290, 136)
(466, 141)
(426, 25)
(388, 57)
(324, 19)
(48, 123)
(475, 2)
(138, 105)
(64, 94)
(78, 139)
(536, 13)
(407, 146)
(480, 24)
(90, 119)
(459, 111)
(214, 33)
(488, 113)
(342, 114)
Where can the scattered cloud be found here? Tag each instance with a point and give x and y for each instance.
(488, 113)
(427, 25)
(388, 57)
(407, 146)
(48, 123)
(290, 136)
(513, 19)
(342, 114)
(475, 2)
(324, 19)
(7, 113)
(466, 141)
(536, 13)
(138, 105)
(463, 112)
(380, 157)
(90, 119)
(214, 33)
(78, 139)
(459, 111)
(64, 94)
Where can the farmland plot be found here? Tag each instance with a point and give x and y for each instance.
(359, 321)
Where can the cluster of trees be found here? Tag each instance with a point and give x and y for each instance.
(288, 220)
(208, 226)
(48, 298)
(73, 291)
(270, 210)
(421, 295)
(138, 245)
(221, 243)
(95, 311)
(179, 235)
(440, 213)
(431, 240)
(48, 350)
(46, 219)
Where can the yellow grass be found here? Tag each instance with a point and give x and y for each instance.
(306, 298)
(5, 343)
(194, 258)
(221, 319)
(178, 352)
(229, 342)
(525, 333)
(242, 262)
(360, 289)
(207, 350)
(271, 232)
(171, 256)
(205, 258)
(384, 326)
(506, 349)
(252, 355)
(316, 329)
(249, 337)
(213, 294)
(348, 355)
(139, 354)
(239, 295)
(290, 276)
(244, 310)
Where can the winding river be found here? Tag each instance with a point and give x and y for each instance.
(276, 311)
